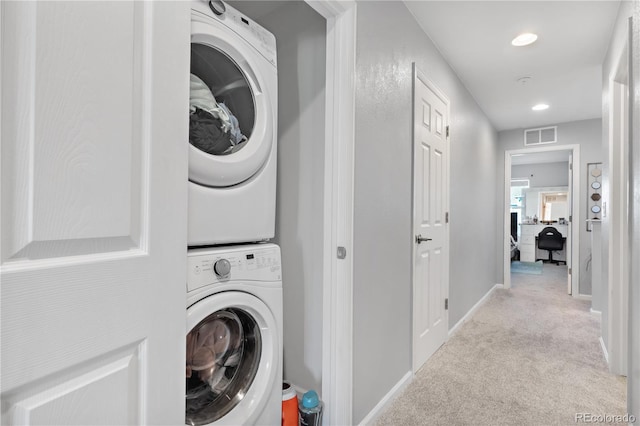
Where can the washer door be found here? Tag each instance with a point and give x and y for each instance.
(228, 66)
(231, 357)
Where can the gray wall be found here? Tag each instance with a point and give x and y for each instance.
(544, 174)
(388, 41)
(301, 36)
(587, 134)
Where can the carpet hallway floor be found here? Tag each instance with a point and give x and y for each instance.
(529, 356)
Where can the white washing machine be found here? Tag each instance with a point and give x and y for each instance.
(232, 182)
(234, 336)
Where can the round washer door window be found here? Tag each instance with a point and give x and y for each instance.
(230, 120)
(229, 358)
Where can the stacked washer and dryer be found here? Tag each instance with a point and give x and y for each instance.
(234, 283)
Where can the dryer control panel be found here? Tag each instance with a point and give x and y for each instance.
(210, 266)
(256, 35)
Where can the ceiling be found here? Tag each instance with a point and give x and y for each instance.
(564, 63)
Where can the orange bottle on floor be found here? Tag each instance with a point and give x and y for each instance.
(289, 405)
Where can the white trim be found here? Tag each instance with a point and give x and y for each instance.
(387, 399)
(595, 313)
(583, 297)
(617, 281)
(604, 350)
(473, 310)
(337, 299)
(575, 223)
(418, 75)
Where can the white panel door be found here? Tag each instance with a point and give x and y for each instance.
(94, 180)
(431, 231)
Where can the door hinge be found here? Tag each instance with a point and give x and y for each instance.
(342, 252)
(446, 304)
(447, 131)
(570, 219)
(570, 271)
(446, 217)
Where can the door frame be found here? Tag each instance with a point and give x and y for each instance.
(576, 216)
(419, 75)
(337, 300)
(633, 379)
(618, 241)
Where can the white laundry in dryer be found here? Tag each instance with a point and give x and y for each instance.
(232, 161)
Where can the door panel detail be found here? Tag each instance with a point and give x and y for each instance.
(424, 265)
(74, 137)
(76, 397)
(426, 115)
(426, 182)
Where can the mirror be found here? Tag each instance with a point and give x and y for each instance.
(548, 203)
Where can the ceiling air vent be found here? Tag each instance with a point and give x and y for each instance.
(540, 136)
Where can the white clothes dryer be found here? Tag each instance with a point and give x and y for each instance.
(232, 181)
(234, 336)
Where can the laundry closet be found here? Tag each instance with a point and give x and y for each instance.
(301, 49)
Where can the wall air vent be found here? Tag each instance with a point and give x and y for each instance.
(541, 136)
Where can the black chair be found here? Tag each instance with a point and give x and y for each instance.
(551, 239)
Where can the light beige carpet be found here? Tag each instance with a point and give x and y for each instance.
(529, 356)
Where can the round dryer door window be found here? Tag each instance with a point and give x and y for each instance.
(223, 355)
(230, 119)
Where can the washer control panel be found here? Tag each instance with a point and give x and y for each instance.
(238, 263)
(222, 267)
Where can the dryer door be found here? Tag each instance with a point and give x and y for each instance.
(231, 122)
(232, 354)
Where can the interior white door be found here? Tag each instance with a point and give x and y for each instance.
(431, 231)
(568, 245)
(94, 182)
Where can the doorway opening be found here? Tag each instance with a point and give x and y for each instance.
(540, 212)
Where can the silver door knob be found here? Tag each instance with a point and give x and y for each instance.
(420, 239)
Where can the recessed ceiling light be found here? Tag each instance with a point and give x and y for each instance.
(524, 39)
(540, 107)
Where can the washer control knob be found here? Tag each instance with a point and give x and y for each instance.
(217, 7)
(222, 268)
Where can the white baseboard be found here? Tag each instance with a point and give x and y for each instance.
(473, 310)
(604, 350)
(387, 399)
(596, 313)
(582, 296)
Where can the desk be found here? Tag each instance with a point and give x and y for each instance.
(529, 251)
